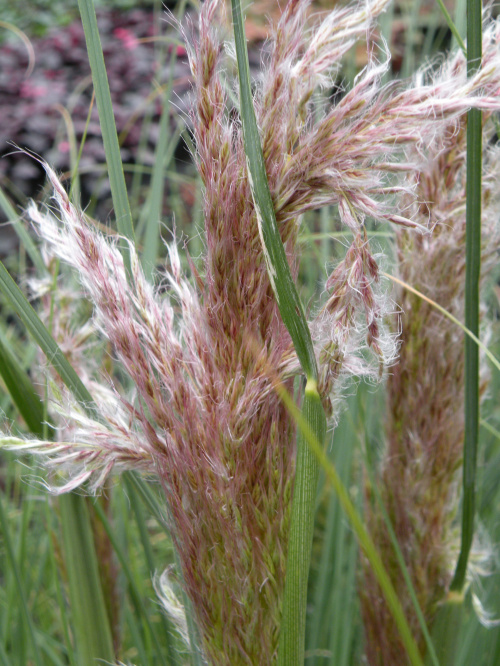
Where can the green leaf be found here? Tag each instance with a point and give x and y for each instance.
(358, 527)
(45, 341)
(472, 278)
(281, 279)
(90, 621)
(293, 624)
(108, 127)
(21, 390)
(21, 592)
(292, 636)
(22, 233)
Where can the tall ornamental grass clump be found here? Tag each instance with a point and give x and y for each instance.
(211, 353)
(424, 425)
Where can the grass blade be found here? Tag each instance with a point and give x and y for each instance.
(21, 390)
(333, 620)
(358, 527)
(54, 567)
(451, 25)
(432, 657)
(108, 127)
(147, 496)
(167, 629)
(293, 623)
(472, 275)
(91, 625)
(281, 279)
(153, 205)
(45, 341)
(134, 592)
(90, 621)
(23, 235)
(476, 341)
(22, 598)
(292, 635)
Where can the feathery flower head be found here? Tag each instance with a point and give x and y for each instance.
(424, 423)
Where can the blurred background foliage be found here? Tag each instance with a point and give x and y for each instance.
(45, 15)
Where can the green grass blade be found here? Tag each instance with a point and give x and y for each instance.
(49, 518)
(147, 496)
(342, 643)
(332, 622)
(460, 21)
(134, 592)
(451, 25)
(75, 174)
(90, 621)
(136, 638)
(45, 341)
(281, 279)
(167, 629)
(21, 593)
(91, 625)
(73, 153)
(432, 657)
(4, 659)
(494, 360)
(153, 205)
(163, 154)
(22, 233)
(21, 390)
(293, 623)
(108, 127)
(411, 13)
(358, 527)
(447, 629)
(472, 277)
(292, 635)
